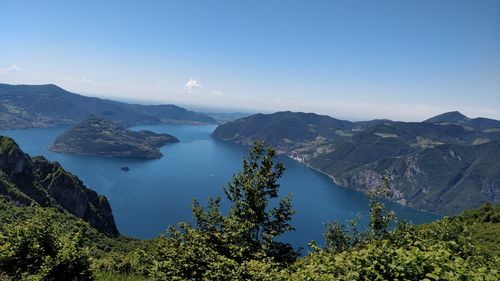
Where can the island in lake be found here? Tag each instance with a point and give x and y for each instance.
(100, 137)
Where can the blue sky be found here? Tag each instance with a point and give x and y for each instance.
(404, 60)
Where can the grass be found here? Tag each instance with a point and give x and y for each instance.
(343, 133)
(492, 130)
(426, 143)
(386, 135)
(479, 141)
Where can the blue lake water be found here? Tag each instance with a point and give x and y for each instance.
(158, 193)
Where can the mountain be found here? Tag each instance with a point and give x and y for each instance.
(442, 179)
(36, 181)
(285, 126)
(100, 137)
(447, 117)
(24, 106)
(223, 117)
(455, 117)
(443, 167)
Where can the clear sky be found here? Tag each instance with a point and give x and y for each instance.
(405, 60)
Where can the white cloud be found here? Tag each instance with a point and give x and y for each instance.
(192, 86)
(216, 93)
(19, 74)
(15, 70)
(12, 69)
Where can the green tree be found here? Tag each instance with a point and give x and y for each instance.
(226, 247)
(250, 193)
(34, 250)
(379, 219)
(339, 237)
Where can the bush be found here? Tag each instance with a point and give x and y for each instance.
(34, 250)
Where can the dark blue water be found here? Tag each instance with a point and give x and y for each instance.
(157, 193)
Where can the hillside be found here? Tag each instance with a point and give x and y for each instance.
(24, 106)
(433, 165)
(282, 127)
(36, 181)
(455, 117)
(100, 137)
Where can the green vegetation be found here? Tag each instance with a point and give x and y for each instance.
(455, 117)
(101, 137)
(432, 164)
(386, 135)
(425, 143)
(479, 141)
(36, 181)
(34, 250)
(492, 130)
(343, 133)
(241, 243)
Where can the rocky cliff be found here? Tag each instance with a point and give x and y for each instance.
(37, 181)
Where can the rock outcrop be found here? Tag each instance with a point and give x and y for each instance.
(37, 181)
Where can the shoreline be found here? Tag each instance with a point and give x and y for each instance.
(351, 188)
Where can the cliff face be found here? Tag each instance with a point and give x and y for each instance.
(37, 181)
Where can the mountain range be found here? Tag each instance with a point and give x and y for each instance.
(25, 106)
(445, 164)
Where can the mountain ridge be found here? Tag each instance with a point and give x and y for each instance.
(25, 106)
(455, 117)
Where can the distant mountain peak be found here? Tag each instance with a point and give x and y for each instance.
(455, 117)
(451, 117)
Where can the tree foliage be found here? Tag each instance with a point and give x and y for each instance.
(218, 245)
(34, 250)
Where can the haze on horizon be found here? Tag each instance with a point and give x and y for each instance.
(403, 60)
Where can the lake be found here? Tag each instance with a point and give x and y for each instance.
(158, 193)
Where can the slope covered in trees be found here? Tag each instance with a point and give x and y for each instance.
(100, 137)
(434, 165)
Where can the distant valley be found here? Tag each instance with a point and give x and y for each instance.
(445, 164)
(41, 106)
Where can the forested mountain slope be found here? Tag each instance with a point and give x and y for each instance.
(443, 167)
